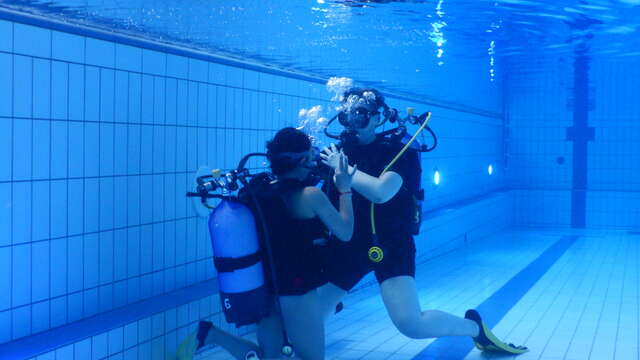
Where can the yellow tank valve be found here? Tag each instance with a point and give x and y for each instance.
(410, 110)
(216, 173)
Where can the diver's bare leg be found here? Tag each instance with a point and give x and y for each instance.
(400, 297)
(270, 336)
(329, 296)
(304, 322)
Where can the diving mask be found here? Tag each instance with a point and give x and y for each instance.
(357, 118)
(307, 159)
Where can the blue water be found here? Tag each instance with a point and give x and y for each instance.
(109, 108)
(397, 45)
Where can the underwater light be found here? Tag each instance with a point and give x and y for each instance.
(436, 177)
(490, 170)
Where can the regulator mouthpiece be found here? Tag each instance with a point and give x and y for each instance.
(349, 139)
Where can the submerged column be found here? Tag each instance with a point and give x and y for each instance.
(580, 134)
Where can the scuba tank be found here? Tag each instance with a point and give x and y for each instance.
(244, 295)
(237, 255)
(237, 258)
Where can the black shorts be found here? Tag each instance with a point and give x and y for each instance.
(299, 285)
(347, 263)
(295, 277)
(295, 273)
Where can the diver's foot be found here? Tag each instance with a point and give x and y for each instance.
(240, 348)
(194, 342)
(339, 307)
(487, 341)
(203, 331)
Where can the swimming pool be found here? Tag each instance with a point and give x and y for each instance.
(108, 109)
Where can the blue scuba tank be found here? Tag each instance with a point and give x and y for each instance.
(237, 257)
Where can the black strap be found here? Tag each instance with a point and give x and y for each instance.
(229, 264)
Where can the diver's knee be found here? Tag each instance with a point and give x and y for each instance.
(409, 326)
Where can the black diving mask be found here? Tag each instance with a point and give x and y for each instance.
(306, 159)
(357, 118)
(309, 160)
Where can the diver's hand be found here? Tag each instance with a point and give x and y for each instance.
(343, 177)
(330, 156)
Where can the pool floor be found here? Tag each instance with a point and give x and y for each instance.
(581, 304)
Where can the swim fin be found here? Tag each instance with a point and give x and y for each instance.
(487, 341)
(187, 348)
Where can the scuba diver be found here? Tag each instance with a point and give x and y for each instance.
(387, 180)
(297, 216)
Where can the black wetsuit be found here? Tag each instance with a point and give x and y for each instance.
(294, 243)
(347, 262)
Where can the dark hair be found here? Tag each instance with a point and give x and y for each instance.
(286, 140)
(378, 103)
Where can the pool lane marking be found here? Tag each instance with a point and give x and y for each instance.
(494, 308)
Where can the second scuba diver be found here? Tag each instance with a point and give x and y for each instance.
(297, 215)
(393, 193)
